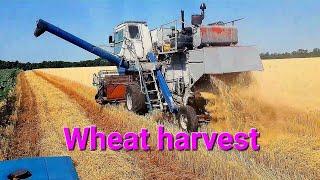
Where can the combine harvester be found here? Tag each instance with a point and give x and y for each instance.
(166, 67)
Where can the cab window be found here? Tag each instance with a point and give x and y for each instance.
(134, 32)
(118, 37)
(118, 41)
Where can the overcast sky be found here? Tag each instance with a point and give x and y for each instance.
(270, 25)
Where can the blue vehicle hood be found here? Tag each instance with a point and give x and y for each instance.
(41, 167)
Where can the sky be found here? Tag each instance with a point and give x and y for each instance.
(270, 25)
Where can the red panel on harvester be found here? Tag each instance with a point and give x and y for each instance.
(116, 92)
(219, 35)
(116, 87)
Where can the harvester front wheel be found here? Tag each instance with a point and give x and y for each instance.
(135, 99)
(187, 119)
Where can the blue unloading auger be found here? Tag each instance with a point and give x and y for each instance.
(43, 26)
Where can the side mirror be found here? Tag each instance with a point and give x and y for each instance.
(110, 40)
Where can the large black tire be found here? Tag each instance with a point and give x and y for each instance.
(135, 99)
(187, 119)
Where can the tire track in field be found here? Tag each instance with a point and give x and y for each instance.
(26, 135)
(154, 164)
(55, 111)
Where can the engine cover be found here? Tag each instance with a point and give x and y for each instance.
(215, 35)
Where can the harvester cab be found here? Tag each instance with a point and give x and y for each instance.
(165, 68)
(131, 40)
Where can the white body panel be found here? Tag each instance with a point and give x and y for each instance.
(129, 46)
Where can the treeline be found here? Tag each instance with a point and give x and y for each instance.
(300, 53)
(52, 64)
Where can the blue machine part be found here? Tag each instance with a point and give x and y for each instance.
(163, 85)
(121, 70)
(43, 26)
(41, 168)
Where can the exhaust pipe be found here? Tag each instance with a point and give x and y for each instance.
(182, 20)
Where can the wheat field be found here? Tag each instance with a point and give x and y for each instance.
(81, 75)
(292, 82)
(282, 102)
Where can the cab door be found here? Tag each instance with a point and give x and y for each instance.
(135, 36)
(118, 42)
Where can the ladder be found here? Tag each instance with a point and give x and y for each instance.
(151, 89)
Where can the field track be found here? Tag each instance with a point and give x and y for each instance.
(26, 127)
(290, 147)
